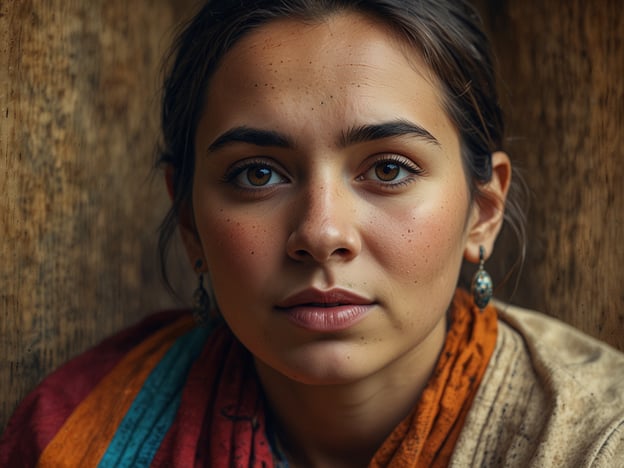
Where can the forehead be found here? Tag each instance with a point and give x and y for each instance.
(347, 67)
(330, 47)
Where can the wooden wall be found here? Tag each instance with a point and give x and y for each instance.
(562, 67)
(78, 211)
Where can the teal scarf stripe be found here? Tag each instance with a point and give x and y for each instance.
(152, 412)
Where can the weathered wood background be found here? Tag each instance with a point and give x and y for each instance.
(79, 209)
(562, 63)
(78, 212)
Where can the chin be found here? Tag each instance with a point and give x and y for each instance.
(326, 363)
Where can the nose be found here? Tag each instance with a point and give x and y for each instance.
(325, 227)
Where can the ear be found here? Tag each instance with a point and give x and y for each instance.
(186, 224)
(488, 209)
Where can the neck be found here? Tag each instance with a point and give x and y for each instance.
(342, 425)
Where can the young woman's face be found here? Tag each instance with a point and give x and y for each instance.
(330, 199)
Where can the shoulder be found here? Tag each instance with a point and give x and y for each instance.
(566, 353)
(552, 396)
(44, 411)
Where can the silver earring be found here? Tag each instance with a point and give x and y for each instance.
(481, 283)
(201, 300)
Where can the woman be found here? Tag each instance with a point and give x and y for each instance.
(331, 164)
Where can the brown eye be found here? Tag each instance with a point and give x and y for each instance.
(258, 175)
(255, 175)
(387, 171)
(391, 172)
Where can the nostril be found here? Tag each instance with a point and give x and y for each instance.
(301, 253)
(342, 252)
(322, 245)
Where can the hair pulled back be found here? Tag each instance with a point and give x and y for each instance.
(448, 35)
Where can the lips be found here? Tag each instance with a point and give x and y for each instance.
(332, 297)
(326, 311)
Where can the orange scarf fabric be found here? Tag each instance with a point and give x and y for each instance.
(427, 437)
(166, 394)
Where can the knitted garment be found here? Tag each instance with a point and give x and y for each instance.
(165, 393)
(551, 397)
(427, 437)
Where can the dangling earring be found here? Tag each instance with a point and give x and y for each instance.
(201, 300)
(481, 283)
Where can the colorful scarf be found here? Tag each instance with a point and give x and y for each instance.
(165, 393)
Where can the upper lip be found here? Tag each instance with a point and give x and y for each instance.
(316, 297)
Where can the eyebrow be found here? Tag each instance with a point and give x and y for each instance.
(359, 134)
(391, 129)
(252, 136)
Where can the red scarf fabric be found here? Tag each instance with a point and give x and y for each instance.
(76, 417)
(426, 438)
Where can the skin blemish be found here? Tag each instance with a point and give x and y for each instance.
(377, 225)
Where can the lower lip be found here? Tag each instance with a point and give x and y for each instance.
(327, 319)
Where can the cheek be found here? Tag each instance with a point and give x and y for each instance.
(425, 242)
(239, 246)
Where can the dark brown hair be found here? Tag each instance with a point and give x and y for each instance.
(448, 34)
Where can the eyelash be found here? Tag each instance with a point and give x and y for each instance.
(404, 164)
(231, 175)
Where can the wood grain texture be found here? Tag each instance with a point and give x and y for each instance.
(78, 123)
(562, 64)
(78, 213)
